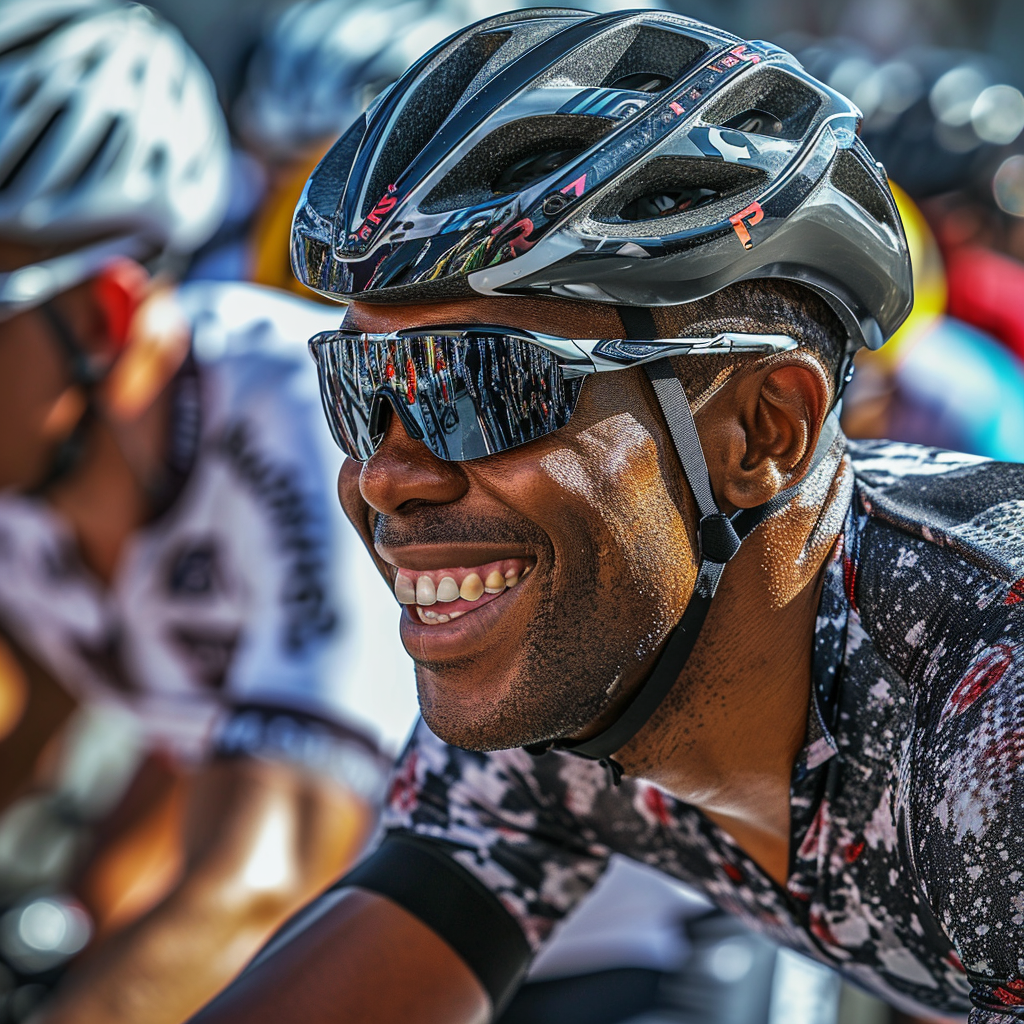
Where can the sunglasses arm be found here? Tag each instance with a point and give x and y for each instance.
(618, 353)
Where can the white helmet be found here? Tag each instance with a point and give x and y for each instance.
(322, 61)
(110, 130)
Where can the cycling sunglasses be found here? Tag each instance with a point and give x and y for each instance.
(468, 391)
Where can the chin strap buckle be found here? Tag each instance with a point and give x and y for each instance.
(719, 540)
(614, 769)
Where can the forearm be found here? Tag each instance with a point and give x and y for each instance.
(167, 964)
(365, 961)
(262, 840)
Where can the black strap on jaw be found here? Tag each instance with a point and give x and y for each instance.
(85, 376)
(719, 538)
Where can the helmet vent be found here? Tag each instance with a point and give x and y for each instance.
(513, 157)
(642, 81)
(27, 43)
(853, 179)
(525, 36)
(655, 56)
(110, 145)
(673, 194)
(157, 161)
(429, 105)
(758, 122)
(659, 55)
(29, 151)
(783, 102)
(29, 87)
(92, 60)
(331, 175)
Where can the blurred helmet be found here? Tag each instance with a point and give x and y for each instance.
(638, 158)
(321, 63)
(938, 119)
(109, 129)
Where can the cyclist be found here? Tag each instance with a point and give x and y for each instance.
(316, 69)
(789, 673)
(167, 522)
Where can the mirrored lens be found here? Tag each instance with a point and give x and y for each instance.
(464, 396)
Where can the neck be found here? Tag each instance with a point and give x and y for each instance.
(726, 738)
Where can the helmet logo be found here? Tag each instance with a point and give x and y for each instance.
(728, 150)
(728, 145)
(752, 215)
(385, 205)
(577, 187)
(734, 56)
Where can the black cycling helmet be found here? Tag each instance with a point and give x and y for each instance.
(638, 158)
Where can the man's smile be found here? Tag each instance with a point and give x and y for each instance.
(440, 584)
(437, 596)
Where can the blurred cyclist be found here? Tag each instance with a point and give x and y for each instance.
(167, 528)
(606, 278)
(938, 380)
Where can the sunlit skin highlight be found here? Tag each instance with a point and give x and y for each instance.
(602, 508)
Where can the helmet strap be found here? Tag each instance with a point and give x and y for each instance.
(719, 540)
(84, 375)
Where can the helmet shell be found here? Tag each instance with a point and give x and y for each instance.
(109, 126)
(637, 158)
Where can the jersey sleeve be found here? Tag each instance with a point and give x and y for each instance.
(508, 819)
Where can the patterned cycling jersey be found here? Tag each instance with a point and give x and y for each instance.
(907, 855)
(228, 600)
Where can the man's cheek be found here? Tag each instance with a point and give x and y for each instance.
(613, 468)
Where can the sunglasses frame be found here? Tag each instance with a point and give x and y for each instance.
(34, 284)
(577, 357)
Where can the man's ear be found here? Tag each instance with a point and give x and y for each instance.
(118, 291)
(761, 430)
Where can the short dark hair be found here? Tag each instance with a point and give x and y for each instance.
(766, 306)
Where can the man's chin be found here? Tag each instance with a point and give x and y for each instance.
(502, 720)
(472, 724)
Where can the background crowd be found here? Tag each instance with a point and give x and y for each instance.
(940, 85)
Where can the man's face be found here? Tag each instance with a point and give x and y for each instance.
(584, 524)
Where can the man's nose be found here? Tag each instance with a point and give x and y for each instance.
(405, 470)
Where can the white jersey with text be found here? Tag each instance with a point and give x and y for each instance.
(247, 591)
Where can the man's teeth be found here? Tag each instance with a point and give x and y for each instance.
(430, 618)
(425, 592)
(420, 589)
(405, 589)
(472, 588)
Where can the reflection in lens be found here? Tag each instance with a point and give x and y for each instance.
(466, 396)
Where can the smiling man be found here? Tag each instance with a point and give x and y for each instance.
(606, 276)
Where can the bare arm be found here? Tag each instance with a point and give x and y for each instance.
(261, 839)
(365, 961)
(33, 707)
